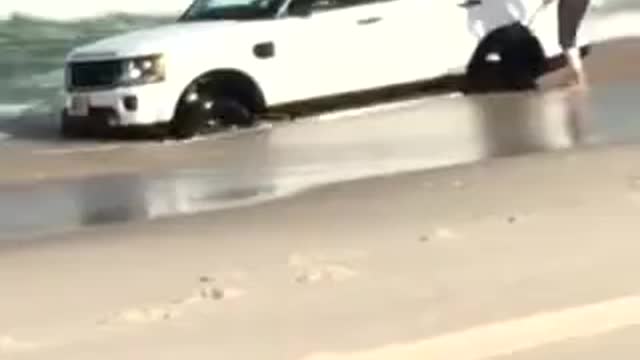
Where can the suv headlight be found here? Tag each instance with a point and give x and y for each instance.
(143, 70)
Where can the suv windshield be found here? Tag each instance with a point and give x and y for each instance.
(231, 9)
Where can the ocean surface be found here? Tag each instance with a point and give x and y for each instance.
(35, 36)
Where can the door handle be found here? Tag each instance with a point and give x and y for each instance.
(470, 3)
(368, 21)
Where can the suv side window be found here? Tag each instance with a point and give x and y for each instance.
(326, 5)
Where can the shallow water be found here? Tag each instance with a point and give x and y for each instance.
(32, 53)
(274, 162)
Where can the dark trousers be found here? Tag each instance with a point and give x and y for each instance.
(570, 15)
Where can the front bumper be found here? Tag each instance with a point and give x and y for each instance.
(120, 107)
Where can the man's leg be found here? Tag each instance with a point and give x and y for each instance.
(570, 15)
(575, 63)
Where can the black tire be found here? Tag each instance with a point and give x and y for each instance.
(193, 117)
(521, 61)
(229, 112)
(190, 118)
(70, 128)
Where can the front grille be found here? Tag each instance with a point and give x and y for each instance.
(95, 74)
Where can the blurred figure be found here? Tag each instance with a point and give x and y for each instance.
(570, 15)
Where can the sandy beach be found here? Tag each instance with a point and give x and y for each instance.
(401, 266)
(509, 235)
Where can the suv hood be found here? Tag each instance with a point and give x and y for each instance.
(154, 40)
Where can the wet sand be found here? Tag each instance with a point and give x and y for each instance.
(135, 183)
(484, 255)
(608, 62)
(355, 267)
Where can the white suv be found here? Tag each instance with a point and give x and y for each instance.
(232, 61)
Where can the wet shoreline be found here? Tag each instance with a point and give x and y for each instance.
(58, 185)
(286, 159)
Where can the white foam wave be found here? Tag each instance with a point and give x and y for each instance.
(50, 79)
(10, 110)
(79, 9)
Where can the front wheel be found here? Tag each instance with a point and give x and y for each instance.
(195, 116)
(230, 112)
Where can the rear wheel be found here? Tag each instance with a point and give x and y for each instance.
(510, 58)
